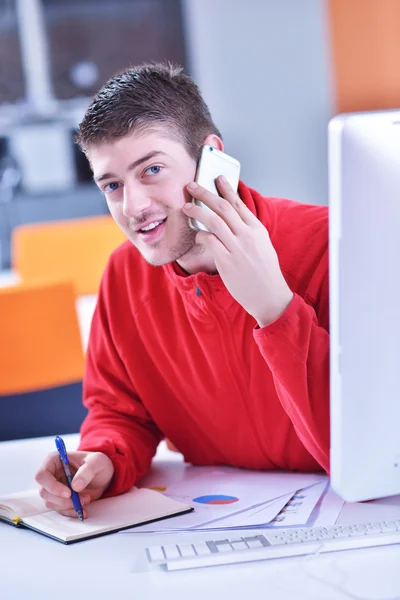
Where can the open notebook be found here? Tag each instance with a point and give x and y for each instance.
(107, 515)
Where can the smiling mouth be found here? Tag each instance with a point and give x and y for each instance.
(151, 227)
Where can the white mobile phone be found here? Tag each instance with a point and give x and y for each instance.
(213, 163)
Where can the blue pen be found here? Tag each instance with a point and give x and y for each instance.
(62, 451)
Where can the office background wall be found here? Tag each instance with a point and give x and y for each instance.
(365, 45)
(264, 69)
(273, 73)
(54, 56)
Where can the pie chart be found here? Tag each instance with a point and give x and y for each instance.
(215, 499)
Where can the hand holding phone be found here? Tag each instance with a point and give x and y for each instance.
(212, 164)
(238, 242)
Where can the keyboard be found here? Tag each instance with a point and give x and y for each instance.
(274, 544)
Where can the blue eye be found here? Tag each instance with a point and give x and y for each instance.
(111, 187)
(153, 170)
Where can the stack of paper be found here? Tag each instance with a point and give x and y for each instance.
(229, 498)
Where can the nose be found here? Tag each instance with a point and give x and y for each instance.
(135, 200)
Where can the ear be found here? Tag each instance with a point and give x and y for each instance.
(214, 140)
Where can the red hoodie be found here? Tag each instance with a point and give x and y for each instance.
(175, 355)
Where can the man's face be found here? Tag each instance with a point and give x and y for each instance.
(144, 180)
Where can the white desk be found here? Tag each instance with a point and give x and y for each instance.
(85, 305)
(114, 566)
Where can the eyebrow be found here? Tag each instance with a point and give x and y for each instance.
(133, 165)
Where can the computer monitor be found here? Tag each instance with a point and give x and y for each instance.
(364, 190)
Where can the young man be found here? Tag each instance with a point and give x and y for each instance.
(217, 341)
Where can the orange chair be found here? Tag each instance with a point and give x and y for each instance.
(75, 249)
(41, 361)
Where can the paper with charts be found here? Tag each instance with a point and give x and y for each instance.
(230, 498)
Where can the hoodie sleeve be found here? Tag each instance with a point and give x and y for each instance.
(117, 423)
(296, 349)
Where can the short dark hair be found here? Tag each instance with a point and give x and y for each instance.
(144, 97)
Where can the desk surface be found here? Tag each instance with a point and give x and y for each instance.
(114, 566)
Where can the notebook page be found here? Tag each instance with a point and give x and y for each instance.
(108, 514)
(22, 504)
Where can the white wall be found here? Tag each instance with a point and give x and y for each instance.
(264, 69)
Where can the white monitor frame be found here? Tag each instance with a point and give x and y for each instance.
(364, 254)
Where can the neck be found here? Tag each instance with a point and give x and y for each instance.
(197, 260)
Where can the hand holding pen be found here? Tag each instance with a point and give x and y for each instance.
(76, 501)
(92, 475)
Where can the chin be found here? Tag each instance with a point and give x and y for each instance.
(156, 261)
(159, 258)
